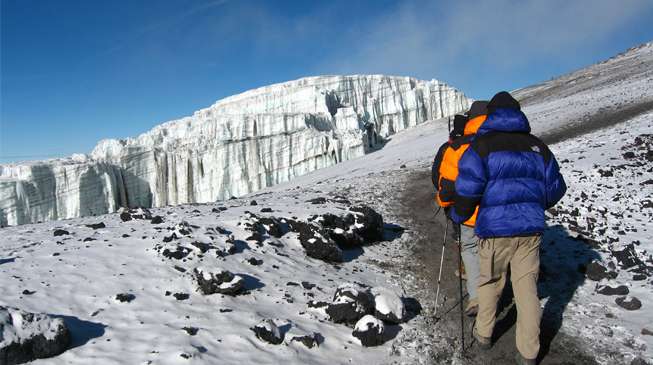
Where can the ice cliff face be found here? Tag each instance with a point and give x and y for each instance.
(238, 145)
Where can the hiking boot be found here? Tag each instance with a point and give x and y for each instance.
(524, 361)
(485, 343)
(472, 308)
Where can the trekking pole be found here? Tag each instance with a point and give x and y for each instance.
(444, 240)
(460, 288)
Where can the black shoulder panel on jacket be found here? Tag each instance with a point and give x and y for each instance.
(456, 143)
(506, 141)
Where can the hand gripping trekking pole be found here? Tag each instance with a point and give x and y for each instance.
(444, 240)
(460, 287)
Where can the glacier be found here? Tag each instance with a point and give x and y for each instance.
(238, 145)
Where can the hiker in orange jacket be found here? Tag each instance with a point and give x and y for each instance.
(445, 172)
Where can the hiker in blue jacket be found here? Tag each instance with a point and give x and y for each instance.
(513, 177)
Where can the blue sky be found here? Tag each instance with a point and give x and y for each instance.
(75, 72)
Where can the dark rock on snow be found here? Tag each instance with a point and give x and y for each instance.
(157, 219)
(179, 253)
(597, 272)
(372, 221)
(350, 304)
(268, 331)
(139, 213)
(60, 232)
(628, 258)
(364, 226)
(369, 331)
(181, 296)
(608, 290)
(39, 336)
(316, 304)
(629, 303)
(254, 261)
(316, 244)
(125, 297)
(96, 225)
(307, 285)
(318, 200)
(309, 341)
(213, 281)
(191, 330)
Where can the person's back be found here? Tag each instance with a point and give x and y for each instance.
(512, 177)
(510, 174)
(438, 172)
(446, 165)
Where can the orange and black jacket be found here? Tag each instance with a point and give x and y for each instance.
(445, 166)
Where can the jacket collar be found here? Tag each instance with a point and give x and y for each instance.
(505, 120)
(474, 124)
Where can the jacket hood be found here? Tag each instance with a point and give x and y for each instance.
(505, 120)
(479, 107)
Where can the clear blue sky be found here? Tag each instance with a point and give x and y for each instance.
(74, 72)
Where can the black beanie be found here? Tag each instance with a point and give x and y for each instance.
(479, 107)
(459, 122)
(503, 99)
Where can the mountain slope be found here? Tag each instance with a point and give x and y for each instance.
(78, 275)
(594, 97)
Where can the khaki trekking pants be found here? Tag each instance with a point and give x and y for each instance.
(523, 256)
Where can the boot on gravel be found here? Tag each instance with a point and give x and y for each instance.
(523, 361)
(485, 343)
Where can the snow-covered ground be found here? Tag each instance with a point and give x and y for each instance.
(608, 207)
(79, 279)
(78, 276)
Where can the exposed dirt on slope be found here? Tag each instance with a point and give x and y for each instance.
(604, 119)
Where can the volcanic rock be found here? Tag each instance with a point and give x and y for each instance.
(268, 331)
(629, 303)
(369, 331)
(213, 281)
(350, 304)
(28, 336)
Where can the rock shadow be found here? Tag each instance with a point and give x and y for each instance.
(391, 331)
(413, 307)
(392, 231)
(7, 260)
(240, 246)
(251, 283)
(81, 331)
(351, 254)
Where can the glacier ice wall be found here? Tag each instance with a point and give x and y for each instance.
(238, 145)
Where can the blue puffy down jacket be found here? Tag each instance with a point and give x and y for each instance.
(510, 174)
